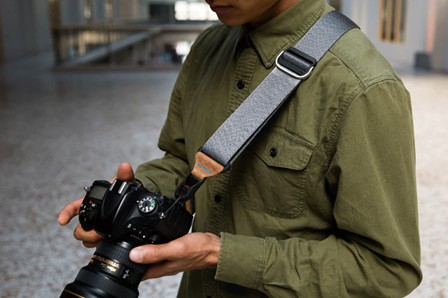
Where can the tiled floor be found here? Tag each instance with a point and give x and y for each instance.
(60, 131)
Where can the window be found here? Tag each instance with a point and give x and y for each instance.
(109, 9)
(392, 20)
(88, 10)
(193, 11)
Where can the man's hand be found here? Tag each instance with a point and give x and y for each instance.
(71, 210)
(190, 252)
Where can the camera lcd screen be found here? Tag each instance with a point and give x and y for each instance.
(98, 192)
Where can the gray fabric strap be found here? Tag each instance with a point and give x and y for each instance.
(242, 126)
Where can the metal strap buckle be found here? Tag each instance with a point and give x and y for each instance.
(295, 63)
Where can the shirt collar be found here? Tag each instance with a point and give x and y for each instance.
(285, 30)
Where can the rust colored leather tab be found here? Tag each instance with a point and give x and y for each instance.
(206, 167)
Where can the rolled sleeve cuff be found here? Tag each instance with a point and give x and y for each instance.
(146, 182)
(241, 260)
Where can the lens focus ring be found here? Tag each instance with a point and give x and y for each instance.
(107, 285)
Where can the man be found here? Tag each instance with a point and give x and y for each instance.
(323, 202)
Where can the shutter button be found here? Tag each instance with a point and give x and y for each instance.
(273, 152)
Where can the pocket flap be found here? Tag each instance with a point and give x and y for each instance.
(279, 148)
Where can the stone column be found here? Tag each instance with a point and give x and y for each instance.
(72, 12)
(440, 48)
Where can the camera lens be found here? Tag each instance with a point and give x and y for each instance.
(109, 274)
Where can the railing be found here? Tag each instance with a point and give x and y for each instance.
(123, 44)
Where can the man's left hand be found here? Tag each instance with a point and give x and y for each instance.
(190, 252)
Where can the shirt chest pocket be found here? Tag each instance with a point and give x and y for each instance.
(272, 173)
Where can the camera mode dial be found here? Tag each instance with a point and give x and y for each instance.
(147, 205)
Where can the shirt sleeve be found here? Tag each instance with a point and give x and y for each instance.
(165, 174)
(373, 250)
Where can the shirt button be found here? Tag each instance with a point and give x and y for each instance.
(273, 152)
(240, 85)
(218, 199)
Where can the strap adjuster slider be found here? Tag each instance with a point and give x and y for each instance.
(296, 63)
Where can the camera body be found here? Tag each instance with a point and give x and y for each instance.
(126, 211)
(126, 215)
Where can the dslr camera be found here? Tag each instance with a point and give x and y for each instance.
(126, 215)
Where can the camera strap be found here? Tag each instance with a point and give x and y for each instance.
(292, 67)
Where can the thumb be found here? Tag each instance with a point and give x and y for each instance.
(125, 172)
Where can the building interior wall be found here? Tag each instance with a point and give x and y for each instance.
(99, 13)
(132, 9)
(440, 49)
(1, 44)
(71, 12)
(366, 14)
(25, 28)
(24, 25)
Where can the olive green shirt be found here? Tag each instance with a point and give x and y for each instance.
(323, 202)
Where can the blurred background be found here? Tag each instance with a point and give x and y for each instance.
(85, 85)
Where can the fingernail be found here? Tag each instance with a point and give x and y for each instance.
(136, 255)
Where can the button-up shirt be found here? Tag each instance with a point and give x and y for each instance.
(323, 202)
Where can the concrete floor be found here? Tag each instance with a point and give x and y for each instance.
(61, 131)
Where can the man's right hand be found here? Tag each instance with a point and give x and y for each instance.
(71, 210)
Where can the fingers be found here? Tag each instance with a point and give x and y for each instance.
(125, 172)
(148, 254)
(88, 238)
(69, 211)
(192, 251)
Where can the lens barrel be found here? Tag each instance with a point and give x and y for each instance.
(110, 274)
